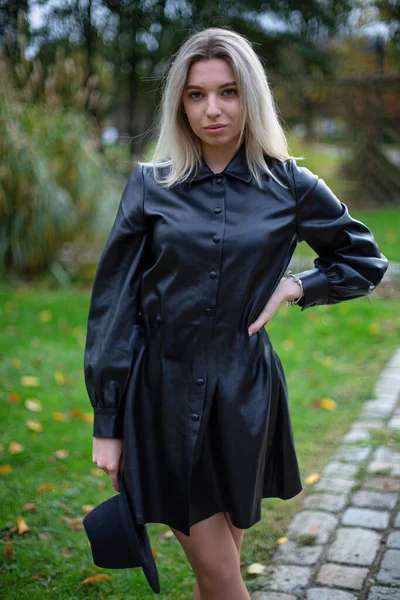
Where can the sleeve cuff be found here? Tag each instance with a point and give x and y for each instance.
(315, 288)
(108, 423)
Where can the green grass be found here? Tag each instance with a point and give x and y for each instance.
(336, 352)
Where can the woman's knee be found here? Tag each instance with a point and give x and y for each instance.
(211, 551)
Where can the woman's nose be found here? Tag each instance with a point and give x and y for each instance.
(212, 107)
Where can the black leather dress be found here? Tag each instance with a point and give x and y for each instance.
(169, 365)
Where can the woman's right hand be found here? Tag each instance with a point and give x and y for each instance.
(108, 456)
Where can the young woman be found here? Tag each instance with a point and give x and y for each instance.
(189, 396)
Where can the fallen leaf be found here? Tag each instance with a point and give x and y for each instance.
(8, 551)
(166, 535)
(325, 403)
(5, 469)
(96, 578)
(15, 448)
(314, 529)
(76, 413)
(44, 487)
(256, 569)
(88, 417)
(30, 380)
(33, 404)
(16, 363)
(61, 453)
(313, 478)
(60, 417)
(72, 520)
(97, 472)
(22, 526)
(373, 328)
(39, 576)
(59, 377)
(29, 506)
(67, 552)
(14, 398)
(45, 316)
(34, 425)
(282, 540)
(87, 508)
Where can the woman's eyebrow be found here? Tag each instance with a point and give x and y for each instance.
(188, 87)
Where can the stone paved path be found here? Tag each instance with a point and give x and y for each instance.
(352, 515)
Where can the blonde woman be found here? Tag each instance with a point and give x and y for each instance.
(189, 396)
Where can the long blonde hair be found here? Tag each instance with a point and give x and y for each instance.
(178, 147)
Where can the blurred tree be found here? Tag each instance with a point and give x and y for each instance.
(13, 24)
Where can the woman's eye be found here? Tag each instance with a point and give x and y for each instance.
(230, 90)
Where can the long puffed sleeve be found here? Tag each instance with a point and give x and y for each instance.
(349, 262)
(114, 310)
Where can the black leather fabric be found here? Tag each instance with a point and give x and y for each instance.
(169, 365)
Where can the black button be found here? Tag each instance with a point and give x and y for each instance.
(200, 381)
(212, 274)
(216, 238)
(219, 179)
(195, 417)
(217, 209)
(208, 311)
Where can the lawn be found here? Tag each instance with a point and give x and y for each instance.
(48, 477)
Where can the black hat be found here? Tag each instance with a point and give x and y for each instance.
(116, 540)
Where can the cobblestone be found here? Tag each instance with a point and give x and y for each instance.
(328, 594)
(381, 593)
(366, 517)
(285, 578)
(341, 576)
(368, 499)
(354, 546)
(389, 571)
(329, 502)
(353, 453)
(384, 484)
(315, 522)
(290, 552)
(393, 540)
(272, 596)
(334, 485)
(339, 469)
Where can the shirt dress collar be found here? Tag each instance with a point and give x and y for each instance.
(237, 167)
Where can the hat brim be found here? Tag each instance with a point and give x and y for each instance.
(148, 563)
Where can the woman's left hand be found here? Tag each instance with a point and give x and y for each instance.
(287, 289)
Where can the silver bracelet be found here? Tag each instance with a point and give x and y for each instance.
(298, 280)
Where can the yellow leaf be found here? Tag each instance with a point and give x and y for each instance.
(256, 569)
(22, 526)
(30, 380)
(373, 329)
(61, 453)
(313, 478)
(95, 578)
(87, 508)
(59, 377)
(34, 425)
(15, 448)
(76, 413)
(8, 551)
(29, 506)
(16, 363)
(14, 398)
(44, 487)
(97, 472)
(45, 316)
(33, 404)
(282, 540)
(88, 417)
(57, 416)
(5, 469)
(328, 404)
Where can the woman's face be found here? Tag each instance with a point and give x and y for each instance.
(212, 98)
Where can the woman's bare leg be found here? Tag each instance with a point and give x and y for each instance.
(238, 535)
(214, 558)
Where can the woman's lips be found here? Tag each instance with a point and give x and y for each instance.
(215, 129)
